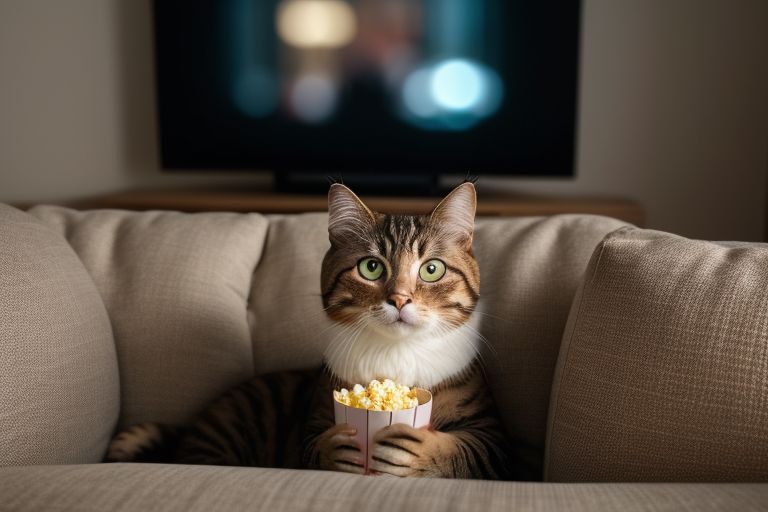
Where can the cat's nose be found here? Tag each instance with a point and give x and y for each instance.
(398, 300)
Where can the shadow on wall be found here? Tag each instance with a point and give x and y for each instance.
(136, 81)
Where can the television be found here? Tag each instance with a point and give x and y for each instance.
(379, 91)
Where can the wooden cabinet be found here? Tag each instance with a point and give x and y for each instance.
(239, 200)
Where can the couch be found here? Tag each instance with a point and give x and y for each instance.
(630, 365)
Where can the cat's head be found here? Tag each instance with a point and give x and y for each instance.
(401, 275)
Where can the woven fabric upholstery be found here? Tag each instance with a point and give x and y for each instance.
(663, 373)
(142, 487)
(530, 271)
(289, 328)
(176, 288)
(59, 396)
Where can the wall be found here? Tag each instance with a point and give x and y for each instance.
(673, 108)
(674, 112)
(77, 100)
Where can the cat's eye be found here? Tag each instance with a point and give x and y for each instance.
(432, 271)
(370, 268)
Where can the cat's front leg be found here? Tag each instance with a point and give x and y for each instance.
(401, 450)
(338, 451)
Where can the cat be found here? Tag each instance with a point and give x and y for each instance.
(402, 291)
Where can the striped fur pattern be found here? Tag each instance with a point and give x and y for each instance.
(260, 423)
(407, 316)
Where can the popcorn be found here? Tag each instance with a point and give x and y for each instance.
(377, 406)
(378, 396)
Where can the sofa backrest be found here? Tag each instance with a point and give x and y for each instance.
(176, 287)
(199, 302)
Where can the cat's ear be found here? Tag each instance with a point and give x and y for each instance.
(348, 218)
(455, 215)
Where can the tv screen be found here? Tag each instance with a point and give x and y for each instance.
(395, 87)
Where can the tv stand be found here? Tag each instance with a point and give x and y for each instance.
(411, 185)
(240, 199)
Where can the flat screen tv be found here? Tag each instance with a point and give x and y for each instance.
(376, 89)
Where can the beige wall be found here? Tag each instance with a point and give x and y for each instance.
(674, 112)
(673, 108)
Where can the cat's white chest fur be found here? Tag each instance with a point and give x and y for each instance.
(423, 360)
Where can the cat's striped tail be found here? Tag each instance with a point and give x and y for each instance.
(145, 442)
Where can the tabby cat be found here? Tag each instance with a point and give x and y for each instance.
(402, 291)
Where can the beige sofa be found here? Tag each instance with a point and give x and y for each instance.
(617, 356)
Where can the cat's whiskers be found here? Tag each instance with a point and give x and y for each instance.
(484, 340)
(458, 331)
(481, 361)
(341, 330)
(341, 346)
(338, 342)
(446, 329)
(344, 343)
(352, 337)
(351, 340)
(500, 319)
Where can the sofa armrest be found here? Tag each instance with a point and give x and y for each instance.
(59, 392)
(663, 371)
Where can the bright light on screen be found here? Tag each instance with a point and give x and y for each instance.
(457, 85)
(453, 94)
(316, 23)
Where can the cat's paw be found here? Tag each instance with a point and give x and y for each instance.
(129, 444)
(339, 451)
(401, 450)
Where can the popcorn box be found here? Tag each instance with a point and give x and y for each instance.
(368, 423)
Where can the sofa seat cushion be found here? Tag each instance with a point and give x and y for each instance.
(663, 372)
(140, 487)
(59, 389)
(176, 289)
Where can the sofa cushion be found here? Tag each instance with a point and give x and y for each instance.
(289, 327)
(176, 287)
(59, 395)
(141, 487)
(663, 373)
(530, 269)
